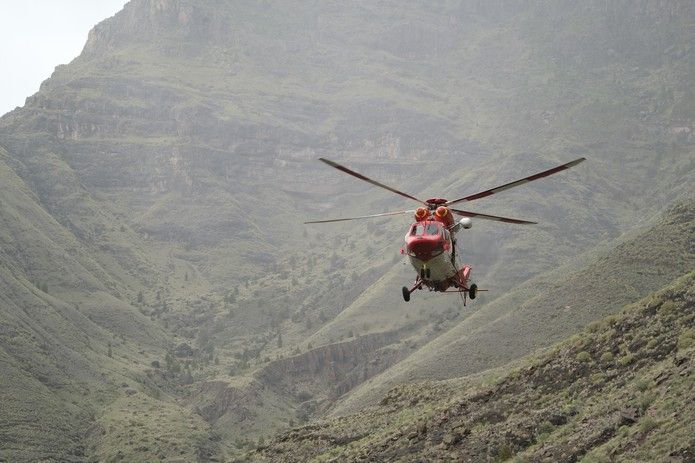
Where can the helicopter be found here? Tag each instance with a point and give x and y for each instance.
(430, 242)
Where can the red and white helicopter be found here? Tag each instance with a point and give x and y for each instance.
(430, 242)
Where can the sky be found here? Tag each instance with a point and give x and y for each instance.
(38, 35)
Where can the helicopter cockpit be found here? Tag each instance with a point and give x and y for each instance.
(426, 228)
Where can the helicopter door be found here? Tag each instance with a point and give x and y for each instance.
(447, 240)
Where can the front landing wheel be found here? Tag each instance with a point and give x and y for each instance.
(473, 291)
(406, 294)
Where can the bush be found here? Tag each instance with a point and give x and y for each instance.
(597, 456)
(686, 339)
(623, 431)
(583, 356)
(606, 357)
(667, 307)
(595, 327)
(642, 384)
(598, 378)
(546, 427)
(647, 423)
(504, 453)
(626, 359)
(646, 400)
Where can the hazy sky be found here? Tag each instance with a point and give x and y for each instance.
(38, 35)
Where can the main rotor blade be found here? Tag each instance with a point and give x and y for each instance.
(383, 214)
(507, 186)
(491, 217)
(369, 180)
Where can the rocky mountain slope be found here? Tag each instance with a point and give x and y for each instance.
(153, 263)
(549, 307)
(619, 391)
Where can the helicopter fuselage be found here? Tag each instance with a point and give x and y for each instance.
(430, 246)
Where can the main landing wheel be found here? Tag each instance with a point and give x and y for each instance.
(473, 291)
(406, 294)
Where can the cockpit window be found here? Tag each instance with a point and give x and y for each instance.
(432, 229)
(417, 230)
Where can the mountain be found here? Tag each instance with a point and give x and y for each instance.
(613, 392)
(160, 297)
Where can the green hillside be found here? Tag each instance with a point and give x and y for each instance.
(157, 285)
(549, 307)
(614, 392)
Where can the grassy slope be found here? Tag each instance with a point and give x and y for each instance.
(549, 307)
(71, 334)
(619, 390)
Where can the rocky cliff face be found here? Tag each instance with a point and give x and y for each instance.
(333, 369)
(296, 388)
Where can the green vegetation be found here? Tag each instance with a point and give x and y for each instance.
(686, 339)
(551, 307)
(153, 192)
(546, 409)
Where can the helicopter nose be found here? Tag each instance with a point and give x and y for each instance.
(424, 249)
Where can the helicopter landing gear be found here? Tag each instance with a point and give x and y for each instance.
(408, 291)
(473, 291)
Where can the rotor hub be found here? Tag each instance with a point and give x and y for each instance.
(433, 203)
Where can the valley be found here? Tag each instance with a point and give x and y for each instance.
(161, 299)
